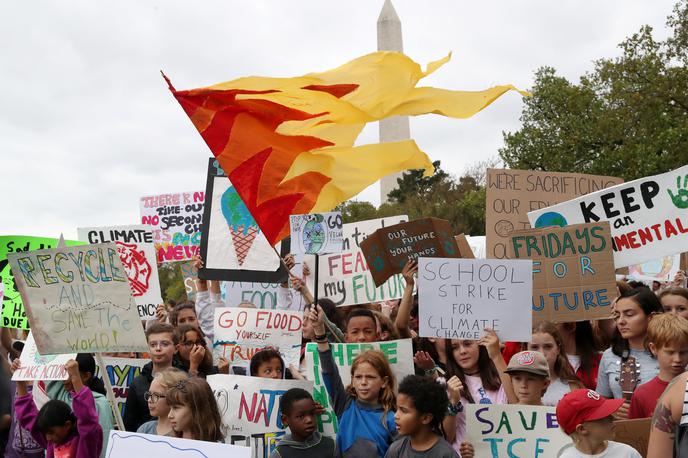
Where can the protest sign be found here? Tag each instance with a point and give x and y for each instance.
(478, 244)
(175, 220)
(233, 246)
(648, 217)
(464, 247)
(511, 194)
(250, 405)
(504, 431)
(459, 298)
(121, 372)
(573, 271)
(137, 253)
(316, 233)
(663, 269)
(241, 332)
(123, 444)
(13, 314)
(35, 366)
(399, 354)
(387, 250)
(345, 277)
(78, 299)
(189, 274)
(635, 433)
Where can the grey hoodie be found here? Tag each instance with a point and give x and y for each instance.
(316, 445)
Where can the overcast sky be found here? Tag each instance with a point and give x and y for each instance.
(87, 125)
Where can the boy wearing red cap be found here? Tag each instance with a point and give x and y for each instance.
(587, 418)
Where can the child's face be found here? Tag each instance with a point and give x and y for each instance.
(301, 419)
(676, 305)
(600, 430)
(271, 369)
(672, 357)
(190, 339)
(407, 418)
(161, 347)
(466, 353)
(180, 418)
(367, 383)
(545, 344)
(58, 434)
(187, 316)
(362, 329)
(528, 387)
(157, 404)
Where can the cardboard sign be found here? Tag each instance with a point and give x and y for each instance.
(648, 217)
(388, 250)
(464, 247)
(232, 244)
(459, 298)
(316, 233)
(511, 194)
(121, 372)
(504, 431)
(34, 366)
(355, 233)
(241, 332)
(137, 253)
(662, 269)
(189, 274)
(78, 299)
(635, 433)
(175, 220)
(126, 445)
(250, 405)
(399, 354)
(13, 314)
(573, 271)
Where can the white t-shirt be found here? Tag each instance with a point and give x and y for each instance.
(574, 361)
(555, 391)
(613, 450)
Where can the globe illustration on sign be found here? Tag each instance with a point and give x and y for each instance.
(550, 219)
(313, 236)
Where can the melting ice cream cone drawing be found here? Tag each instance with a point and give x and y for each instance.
(242, 226)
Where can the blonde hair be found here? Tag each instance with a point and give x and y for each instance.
(387, 397)
(170, 377)
(666, 328)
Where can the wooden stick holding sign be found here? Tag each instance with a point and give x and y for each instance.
(109, 392)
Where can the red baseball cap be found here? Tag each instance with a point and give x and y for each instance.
(583, 405)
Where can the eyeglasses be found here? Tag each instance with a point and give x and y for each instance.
(190, 343)
(161, 344)
(154, 397)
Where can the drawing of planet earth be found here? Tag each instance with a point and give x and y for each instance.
(550, 219)
(313, 236)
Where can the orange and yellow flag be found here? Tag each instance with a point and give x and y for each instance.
(287, 144)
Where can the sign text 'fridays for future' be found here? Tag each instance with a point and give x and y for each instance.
(459, 298)
(78, 299)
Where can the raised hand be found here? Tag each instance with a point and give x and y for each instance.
(408, 272)
(680, 199)
(423, 360)
(454, 389)
(491, 342)
(223, 365)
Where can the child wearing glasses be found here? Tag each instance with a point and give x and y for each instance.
(157, 402)
(193, 352)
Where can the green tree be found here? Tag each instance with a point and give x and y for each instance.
(627, 117)
(171, 282)
(413, 184)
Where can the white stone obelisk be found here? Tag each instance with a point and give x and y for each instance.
(395, 128)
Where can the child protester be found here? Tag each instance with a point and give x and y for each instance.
(62, 431)
(298, 412)
(529, 374)
(157, 402)
(192, 350)
(667, 337)
(587, 417)
(365, 409)
(267, 363)
(193, 411)
(421, 405)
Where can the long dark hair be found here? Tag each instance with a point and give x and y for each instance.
(585, 345)
(489, 376)
(54, 413)
(649, 303)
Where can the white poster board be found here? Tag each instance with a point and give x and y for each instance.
(504, 431)
(137, 253)
(78, 299)
(316, 233)
(34, 366)
(241, 332)
(648, 216)
(127, 445)
(663, 269)
(459, 298)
